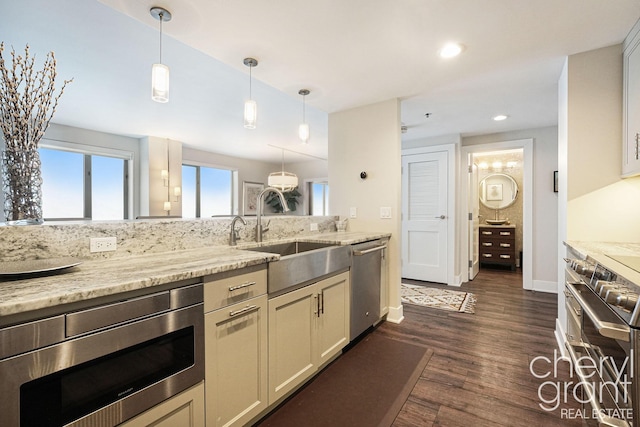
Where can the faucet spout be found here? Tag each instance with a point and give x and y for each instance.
(260, 207)
(233, 236)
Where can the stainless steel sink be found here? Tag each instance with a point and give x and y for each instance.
(302, 263)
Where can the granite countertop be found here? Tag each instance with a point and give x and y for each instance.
(105, 277)
(599, 251)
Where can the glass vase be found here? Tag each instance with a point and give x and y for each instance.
(22, 187)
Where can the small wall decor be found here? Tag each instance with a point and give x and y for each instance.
(250, 192)
(555, 181)
(494, 192)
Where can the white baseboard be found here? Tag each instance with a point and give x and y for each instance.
(561, 338)
(545, 286)
(396, 314)
(457, 281)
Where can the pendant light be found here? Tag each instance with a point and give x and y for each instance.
(159, 71)
(303, 129)
(250, 107)
(283, 181)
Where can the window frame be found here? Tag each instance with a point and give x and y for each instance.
(87, 151)
(309, 195)
(234, 186)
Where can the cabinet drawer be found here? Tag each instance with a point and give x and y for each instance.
(221, 290)
(497, 244)
(497, 256)
(497, 232)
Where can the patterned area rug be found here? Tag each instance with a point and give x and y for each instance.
(443, 299)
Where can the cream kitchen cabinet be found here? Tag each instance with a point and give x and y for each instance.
(236, 347)
(185, 410)
(631, 104)
(307, 328)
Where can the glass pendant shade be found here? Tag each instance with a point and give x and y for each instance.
(283, 181)
(160, 83)
(167, 206)
(250, 114)
(303, 132)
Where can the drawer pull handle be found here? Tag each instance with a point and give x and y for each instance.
(244, 285)
(487, 233)
(505, 233)
(505, 245)
(242, 310)
(487, 244)
(487, 255)
(505, 256)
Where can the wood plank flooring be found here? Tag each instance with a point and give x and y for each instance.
(479, 374)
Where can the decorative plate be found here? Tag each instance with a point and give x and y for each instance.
(15, 268)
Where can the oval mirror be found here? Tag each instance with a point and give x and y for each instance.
(498, 191)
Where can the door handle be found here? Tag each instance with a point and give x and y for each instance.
(440, 217)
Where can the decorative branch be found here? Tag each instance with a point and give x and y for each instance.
(28, 99)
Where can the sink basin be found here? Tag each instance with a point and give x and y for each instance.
(290, 248)
(302, 263)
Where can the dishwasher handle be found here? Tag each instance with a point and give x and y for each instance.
(368, 251)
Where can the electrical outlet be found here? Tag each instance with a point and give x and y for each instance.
(353, 212)
(385, 212)
(313, 226)
(102, 244)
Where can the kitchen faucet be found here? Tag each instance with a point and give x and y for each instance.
(233, 236)
(260, 207)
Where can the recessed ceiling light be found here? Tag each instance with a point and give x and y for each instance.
(450, 50)
(500, 117)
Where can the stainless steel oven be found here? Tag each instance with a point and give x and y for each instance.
(102, 365)
(605, 355)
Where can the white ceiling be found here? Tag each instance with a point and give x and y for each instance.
(348, 53)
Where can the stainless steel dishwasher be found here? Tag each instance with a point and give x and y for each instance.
(366, 264)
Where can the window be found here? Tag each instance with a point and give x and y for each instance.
(206, 191)
(319, 198)
(79, 185)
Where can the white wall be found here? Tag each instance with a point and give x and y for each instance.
(545, 201)
(600, 205)
(368, 139)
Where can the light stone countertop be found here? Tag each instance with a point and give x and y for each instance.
(599, 251)
(105, 277)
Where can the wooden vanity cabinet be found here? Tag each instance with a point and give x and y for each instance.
(236, 346)
(497, 245)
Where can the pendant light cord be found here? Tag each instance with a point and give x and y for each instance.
(304, 120)
(250, 67)
(161, 15)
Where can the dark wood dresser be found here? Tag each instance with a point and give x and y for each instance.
(498, 245)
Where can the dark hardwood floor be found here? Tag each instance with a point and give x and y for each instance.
(479, 374)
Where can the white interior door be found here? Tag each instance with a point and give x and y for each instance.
(425, 216)
(474, 220)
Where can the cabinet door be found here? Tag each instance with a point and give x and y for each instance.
(333, 317)
(292, 342)
(236, 362)
(186, 409)
(631, 104)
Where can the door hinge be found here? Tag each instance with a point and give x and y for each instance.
(470, 169)
(470, 216)
(470, 263)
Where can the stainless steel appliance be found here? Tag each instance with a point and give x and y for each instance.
(605, 345)
(100, 366)
(366, 267)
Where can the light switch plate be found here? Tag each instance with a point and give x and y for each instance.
(313, 226)
(385, 212)
(353, 212)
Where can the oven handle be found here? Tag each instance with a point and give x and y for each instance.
(606, 329)
(603, 420)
